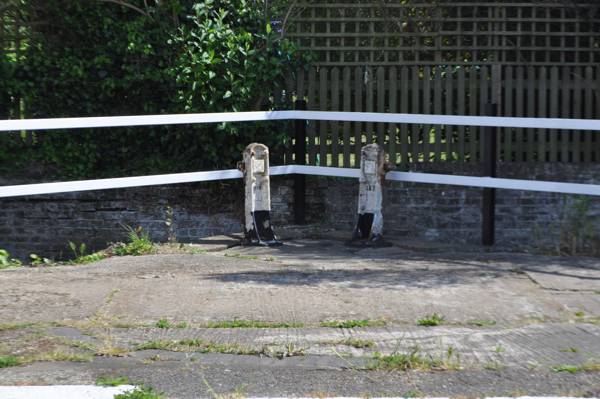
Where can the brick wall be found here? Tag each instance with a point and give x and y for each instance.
(45, 224)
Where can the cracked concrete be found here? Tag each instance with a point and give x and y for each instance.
(538, 312)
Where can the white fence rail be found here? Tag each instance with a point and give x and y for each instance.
(149, 120)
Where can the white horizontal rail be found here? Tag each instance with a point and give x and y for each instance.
(151, 120)
(410, 177)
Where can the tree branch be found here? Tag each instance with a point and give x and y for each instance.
(130, 6)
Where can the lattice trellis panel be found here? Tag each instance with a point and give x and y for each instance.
(543, 32)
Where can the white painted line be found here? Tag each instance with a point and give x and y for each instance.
(409, 177)
(62, 392)
(151, 120)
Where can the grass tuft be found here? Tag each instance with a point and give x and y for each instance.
(481, 323)
(353, 323)
(251, 324)
(112, 381)
(356, 343)
(163, 323)
(139, 243)
(573, 368)
(432, 320)
(9, 361)
(140, 393)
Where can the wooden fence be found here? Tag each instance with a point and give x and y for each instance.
(534, 91)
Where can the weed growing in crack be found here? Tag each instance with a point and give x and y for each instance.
(353, 323)
(112, 381)
(432, 320)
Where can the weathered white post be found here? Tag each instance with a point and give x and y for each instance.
(255, 166)
(373, 168)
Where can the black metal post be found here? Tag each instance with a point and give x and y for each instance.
(300, 159)
(488, 209)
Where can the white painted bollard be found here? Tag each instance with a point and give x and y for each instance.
(373, 168)
(255, 166)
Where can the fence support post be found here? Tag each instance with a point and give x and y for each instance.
(489, 158)
(300, 159)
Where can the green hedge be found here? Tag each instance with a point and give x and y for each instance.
(95, 58)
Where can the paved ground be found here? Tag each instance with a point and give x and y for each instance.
(510, 321)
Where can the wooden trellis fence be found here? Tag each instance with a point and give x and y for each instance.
(534, 59)
(534, 91)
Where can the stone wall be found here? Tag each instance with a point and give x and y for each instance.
(45, 224)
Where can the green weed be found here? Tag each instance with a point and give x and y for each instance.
(140, 393)
(81, 255)
(139, 243)
(9, 361)
(112, 381)
(432, 320)
(353, 323)
(403, 362)
(481, 323)
(198, 345)
(494, 366)
(163, 323)
(6, 261)
(356, 343)
(590, 366)
(37, 260)
(251, 324)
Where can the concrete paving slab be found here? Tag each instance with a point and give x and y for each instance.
(530, 322)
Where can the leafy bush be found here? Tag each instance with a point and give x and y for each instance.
(101, 58)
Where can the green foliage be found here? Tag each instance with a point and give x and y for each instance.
(353, 323)
(163, 323)
(112, 381)
(397, 361)
(80, 254)
(431, 320)
(140, 393)
(6, 261)
(237, 323)
(139, 243)
(173, 56)
(9, 361)
(37, 260)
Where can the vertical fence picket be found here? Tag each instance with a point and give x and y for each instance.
(484, 98)
(381, 127)
(520, 111)
(415, 110)
(358, 106)
(370, 93)
(393, 128)
(426, 129)
(473, 110)
(578, 94)
(589, 112)
(347, 104)
(554, 96)
(449, 102)
(542, 113)
(312, 80)
(335, 125)
(508, 106)
(531, 101)
(437, 109)
(323, 125)
(404, 93)
(565, 113)
(461, 98)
